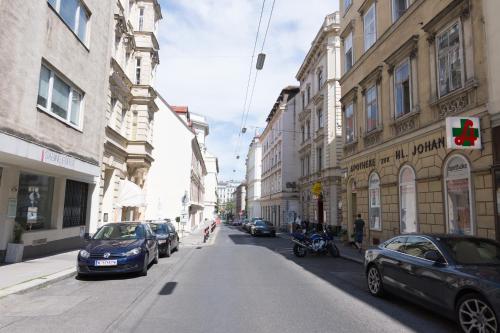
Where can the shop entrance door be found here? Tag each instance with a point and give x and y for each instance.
(354, 208)
(320, 210)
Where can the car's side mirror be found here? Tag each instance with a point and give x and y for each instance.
(434, 255)
(87, 236)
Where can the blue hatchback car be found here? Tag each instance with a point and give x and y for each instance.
(124, 247)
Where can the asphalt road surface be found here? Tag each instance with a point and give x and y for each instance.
(237, 284)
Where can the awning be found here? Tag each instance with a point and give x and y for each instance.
(131, 195)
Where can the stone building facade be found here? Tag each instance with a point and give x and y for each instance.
(253, 180)
(319, 126)
(54, 67)
(279, 199)
(130, 110)
(408, 66)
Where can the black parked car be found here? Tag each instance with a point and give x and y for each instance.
(455, 275)
(261, 227)
(168, 239)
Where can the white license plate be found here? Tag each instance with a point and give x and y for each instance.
(106, 262)
(162, 241)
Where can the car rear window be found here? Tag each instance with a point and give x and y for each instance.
(473, 251)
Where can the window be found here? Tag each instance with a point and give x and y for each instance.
(472, 251)
(320, 78)
(308, 128)
(370, 27)
(399, 7)
(74, 14)
(347, 5)
(319, 114)
(418, 246)
(303, 131)
(141, 18)
(450, 65)
(371, 109)
(308, 93)
(138, 71)
(349, 123)
(402, 89)
(374, 213)
(407, 200)
(75, 204)
(303, 98)
(458, 196)
(303, 169)
(319, 153)
(349, 56)
(57, 97)
(34, 201)
(308, 164)
(397, 244)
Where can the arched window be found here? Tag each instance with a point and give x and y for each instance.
(407, 200)
(458, 196)
(374, 211)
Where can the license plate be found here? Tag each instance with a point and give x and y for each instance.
(162, 241)
(266, 232)
(106, 262)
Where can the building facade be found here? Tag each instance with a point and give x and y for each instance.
(225, 190)
(51, 120)
(408, 67)
(280, 200)
(253, 180)
(211, 181)
(130, 110)
(320, 126)
(240, 199)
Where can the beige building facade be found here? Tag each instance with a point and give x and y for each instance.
(54, 73)
(130, 110)
(408, 67)
(320, 127)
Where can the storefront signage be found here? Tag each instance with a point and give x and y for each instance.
(463, 133)
(421, 148)
(51, 157)
(363, 165)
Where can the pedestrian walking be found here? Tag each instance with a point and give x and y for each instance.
(359, 226)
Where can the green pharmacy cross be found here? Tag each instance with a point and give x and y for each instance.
(466, 135)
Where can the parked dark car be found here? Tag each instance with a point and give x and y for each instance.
(119, 248)
(261, 227)
(458, 276)
(168, 239)
(248, 224)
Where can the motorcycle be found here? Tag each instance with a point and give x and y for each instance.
(316, 242)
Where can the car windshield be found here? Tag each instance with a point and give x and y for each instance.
(159, 228)
(262, 223)
(470, 251)
(120, 232)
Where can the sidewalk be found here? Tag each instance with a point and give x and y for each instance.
(36, 273)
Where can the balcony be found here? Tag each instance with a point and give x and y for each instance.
(140, 153)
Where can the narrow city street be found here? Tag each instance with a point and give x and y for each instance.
(234, 283)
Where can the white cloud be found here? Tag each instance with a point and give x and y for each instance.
(205, 50)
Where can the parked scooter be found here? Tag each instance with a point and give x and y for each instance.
(315, 242)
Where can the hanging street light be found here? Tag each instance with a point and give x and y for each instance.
(260, 61)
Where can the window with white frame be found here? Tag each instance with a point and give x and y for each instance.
(74, 14)
(320, 78)
(370, 27)
(348, 52)
(458, 196)
(347, 5)
(138, 71)
(449, 59)
(407, 200)
(371, 109)
(349, 123)
(374, 212)
(402, 89)
(319, 115)
(308, 93)
(399, 7)
(59, 98)
(141, 18)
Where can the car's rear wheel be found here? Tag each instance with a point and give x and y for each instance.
(299, 251)
(273, 234)
(168, 251)
(144, 271)
(474, 314)
(374, 281)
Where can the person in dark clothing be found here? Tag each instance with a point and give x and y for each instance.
(359, 226)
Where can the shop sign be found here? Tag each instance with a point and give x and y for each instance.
(463, 133)
(457, 168)
(316, 189)
(51, 157)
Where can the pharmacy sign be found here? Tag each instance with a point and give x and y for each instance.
(463, 133)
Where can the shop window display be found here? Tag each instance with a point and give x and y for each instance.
(374, 204)
(34, 201)
(458, 196)
(407, 200)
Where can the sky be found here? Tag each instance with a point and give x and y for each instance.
(205, 52)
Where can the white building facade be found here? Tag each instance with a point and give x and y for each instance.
(130, 110)
(279, 198)
(320, 126)
(54, 68)
(225, 190)
(253, 180)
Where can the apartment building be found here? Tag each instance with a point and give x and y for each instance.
(54, 65)
(279, 199)
(253, 180)
(130, 110)
(320, 126)
(410, 68)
